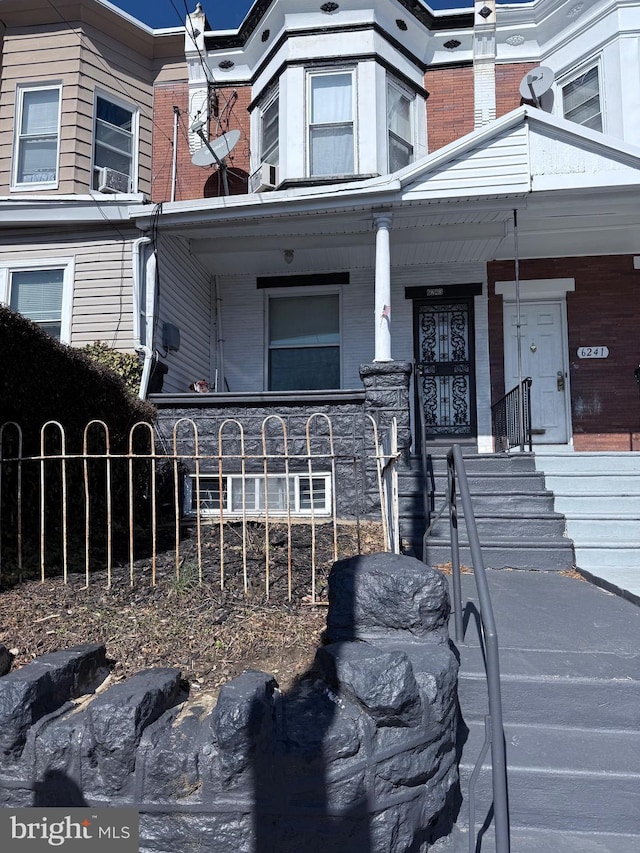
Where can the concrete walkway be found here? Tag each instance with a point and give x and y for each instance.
(570, 667)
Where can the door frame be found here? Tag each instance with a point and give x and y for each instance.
(549, 291)
(446, 294)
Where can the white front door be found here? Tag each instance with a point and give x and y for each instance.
(544, 359)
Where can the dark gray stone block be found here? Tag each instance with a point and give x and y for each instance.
(383, 682)
(6, 659)
(39, 688)
(373, 596)
(119, 716)
(241, 721)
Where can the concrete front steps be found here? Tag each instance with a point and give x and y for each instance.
(599, 494)
(570, 674)
(515, 517)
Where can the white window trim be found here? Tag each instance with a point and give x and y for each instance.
(571, 77)
(331, 72)
(411, 97)
(66, 264)
(135, 132)
(33, 186)
(283, 292)
(257, 482)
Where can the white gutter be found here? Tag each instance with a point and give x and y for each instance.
(144, 308)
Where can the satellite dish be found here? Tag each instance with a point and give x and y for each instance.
(216, 150)
(536, 83)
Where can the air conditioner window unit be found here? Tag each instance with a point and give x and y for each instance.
(111, 181)
(266, 177)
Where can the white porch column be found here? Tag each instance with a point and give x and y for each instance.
(382, 316)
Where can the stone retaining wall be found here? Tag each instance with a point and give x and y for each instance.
(358, 757)
(353, 445)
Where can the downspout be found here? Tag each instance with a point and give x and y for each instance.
(219, 377)
(174, 164)
(144, 315)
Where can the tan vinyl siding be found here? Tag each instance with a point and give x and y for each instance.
(185, 299)
(99, 52)
(102, 294)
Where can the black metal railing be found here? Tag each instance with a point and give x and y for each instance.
(511, 418)
(457, 485)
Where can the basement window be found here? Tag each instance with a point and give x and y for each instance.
(297, 498)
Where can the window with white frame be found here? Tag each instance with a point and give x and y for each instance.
(331, 127)
(114, 145)
(37, 139)
(41, 292)
(399, 126)
(304, 342)
(270, 127)
(581, 101)
(300, 496)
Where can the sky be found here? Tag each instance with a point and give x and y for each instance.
(224, 14)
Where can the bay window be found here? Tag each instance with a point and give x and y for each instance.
(270, 134)
(331, 129)
(304, 342)
(399, 127)
(581, 99)
(37, 135)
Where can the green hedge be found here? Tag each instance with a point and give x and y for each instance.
(43, 380)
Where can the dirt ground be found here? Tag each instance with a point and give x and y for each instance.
(210, 634)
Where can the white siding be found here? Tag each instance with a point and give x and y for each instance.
(498, 166)
(243, 320)
(242, 313)
(558, 162)
(185, 299)
(357, 326)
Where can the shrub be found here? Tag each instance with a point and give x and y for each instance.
(44, 380)
(125, 365)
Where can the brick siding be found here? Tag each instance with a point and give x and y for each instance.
(602, 311)
(194, 181)
(449, 106)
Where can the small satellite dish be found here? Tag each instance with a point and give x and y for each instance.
(536, 83)
(216, 150)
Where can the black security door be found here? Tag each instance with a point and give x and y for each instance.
(445, 373)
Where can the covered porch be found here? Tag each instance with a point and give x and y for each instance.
(292, 292)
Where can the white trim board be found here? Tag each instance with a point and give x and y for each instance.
(536, 288)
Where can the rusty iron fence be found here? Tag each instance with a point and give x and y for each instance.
(55, 504)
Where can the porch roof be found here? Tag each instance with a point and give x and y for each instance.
(576, 189)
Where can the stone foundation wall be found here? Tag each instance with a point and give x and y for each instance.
(358, 757)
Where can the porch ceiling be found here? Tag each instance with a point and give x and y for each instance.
(350, 244)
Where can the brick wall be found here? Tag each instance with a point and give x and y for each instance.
(508, 79)
(603, 311)
(449, 106)
(194, 181)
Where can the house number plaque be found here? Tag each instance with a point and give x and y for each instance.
(593, 352)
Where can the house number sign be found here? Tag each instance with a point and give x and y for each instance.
(593, 352)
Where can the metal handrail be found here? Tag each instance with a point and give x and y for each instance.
(494, 727)
(511, 418)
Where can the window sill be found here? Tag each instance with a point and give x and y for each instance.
(324, 180)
